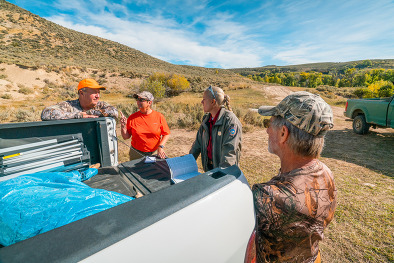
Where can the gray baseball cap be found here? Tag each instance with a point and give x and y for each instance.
(306, 111)
(145, 95)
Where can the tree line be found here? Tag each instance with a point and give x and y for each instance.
(371, 83)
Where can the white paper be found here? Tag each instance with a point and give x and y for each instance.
(150, 159)
(182, 168)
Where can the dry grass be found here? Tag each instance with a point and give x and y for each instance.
(363, 227)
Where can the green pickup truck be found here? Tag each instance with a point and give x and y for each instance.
(370, 112)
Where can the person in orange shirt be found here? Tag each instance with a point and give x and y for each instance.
(147, 128)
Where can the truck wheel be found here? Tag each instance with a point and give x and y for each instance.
(360, 126)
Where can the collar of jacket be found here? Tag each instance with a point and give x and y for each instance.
(219, 121)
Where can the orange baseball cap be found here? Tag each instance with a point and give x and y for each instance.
(89, 83)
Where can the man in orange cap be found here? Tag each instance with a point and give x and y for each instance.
(86, 106)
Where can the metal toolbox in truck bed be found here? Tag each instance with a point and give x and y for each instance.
(97, 135)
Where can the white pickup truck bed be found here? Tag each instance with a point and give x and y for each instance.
(208, 218)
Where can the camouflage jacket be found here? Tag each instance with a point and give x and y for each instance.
(292, 211)
(71, 109)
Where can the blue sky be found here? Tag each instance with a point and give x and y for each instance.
(233, 34)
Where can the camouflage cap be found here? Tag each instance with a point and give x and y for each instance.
(145, 95)
(306, 111)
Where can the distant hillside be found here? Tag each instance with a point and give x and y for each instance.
(323, 67)
(30, 41)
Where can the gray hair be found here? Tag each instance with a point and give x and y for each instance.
(301, 142)
(218, 95)
(83, 90)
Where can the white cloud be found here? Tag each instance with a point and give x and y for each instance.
(164, 38)
(205, 33)
(335, 31)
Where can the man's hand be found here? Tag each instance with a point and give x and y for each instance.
(85, 115)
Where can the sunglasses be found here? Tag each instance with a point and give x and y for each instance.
(211, 90)
(141, 99)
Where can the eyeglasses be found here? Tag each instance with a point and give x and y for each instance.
(141, 99)
(211, 90)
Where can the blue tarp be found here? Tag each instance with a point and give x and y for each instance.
(36, 203)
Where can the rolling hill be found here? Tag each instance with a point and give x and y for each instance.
(30, 41)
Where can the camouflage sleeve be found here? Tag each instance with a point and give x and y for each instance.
(60, 111)
(264, 204)
(103, 109)
(275, 205)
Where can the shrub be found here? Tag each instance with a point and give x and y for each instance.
(158, 76)
(127, 108)
(180, 115)
(253, 118)
(386, 90)
(67, 92)
(6, 96)
(25, 90)
(177, 84)
(381, 88)
(8, 87)
(4, 115)
(364, 93)
(155, 87)
(25, 115)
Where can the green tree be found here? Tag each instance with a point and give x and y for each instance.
(289, 79)
(344, 82)
(367, 63)
(277, 78)
(304, 76)
(376, 75)
(386, 89)
(361, 79)
(328, 79)
(314, 79)
(364, 64)
(388, 75)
